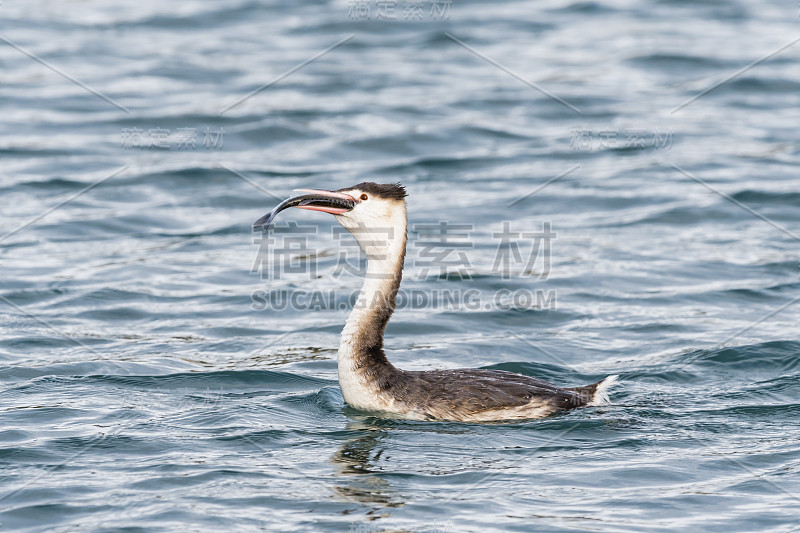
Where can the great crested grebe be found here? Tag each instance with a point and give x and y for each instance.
(368, 380)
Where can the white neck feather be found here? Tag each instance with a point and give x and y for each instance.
(361, 359)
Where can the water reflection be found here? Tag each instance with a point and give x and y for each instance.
(356, 461)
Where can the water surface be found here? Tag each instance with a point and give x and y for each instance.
(144, 389)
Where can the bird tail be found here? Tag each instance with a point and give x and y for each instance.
(596, 393)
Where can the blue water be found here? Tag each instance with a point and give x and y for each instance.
(145, 386)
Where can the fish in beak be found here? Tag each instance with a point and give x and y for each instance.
(333, 202)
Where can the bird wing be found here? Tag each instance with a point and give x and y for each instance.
(460, 392)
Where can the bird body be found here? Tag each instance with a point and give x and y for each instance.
(376, 216)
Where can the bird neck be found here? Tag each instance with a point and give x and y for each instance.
(363, 366)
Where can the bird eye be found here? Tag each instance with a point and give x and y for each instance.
(364, 197)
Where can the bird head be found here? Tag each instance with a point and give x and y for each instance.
(366, 210)
(364, 205)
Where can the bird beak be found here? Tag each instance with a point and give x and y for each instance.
(335, 203)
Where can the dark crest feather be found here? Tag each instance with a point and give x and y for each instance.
(389, 191)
